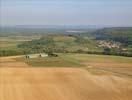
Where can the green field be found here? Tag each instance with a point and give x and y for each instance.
(61, 61)
(100, 58)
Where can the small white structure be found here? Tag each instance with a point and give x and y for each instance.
(37, 55)
(43, 55)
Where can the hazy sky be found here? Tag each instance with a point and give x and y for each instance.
(66, 12)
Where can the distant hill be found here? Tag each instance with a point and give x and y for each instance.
(27, 30)
(16, 31)
(114, 40)
(60, 26)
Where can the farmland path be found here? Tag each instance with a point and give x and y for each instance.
(11, 62)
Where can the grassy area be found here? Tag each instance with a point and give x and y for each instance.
(100, 58)
(61, 61)
(77, 60)
(95, 64)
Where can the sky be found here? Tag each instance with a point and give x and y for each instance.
(66, 12)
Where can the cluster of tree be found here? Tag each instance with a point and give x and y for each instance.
(117, 52)
(119, 34)
(107, 51)
(51, 54)
(48, 44)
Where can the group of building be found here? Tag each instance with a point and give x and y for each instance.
(42, 55)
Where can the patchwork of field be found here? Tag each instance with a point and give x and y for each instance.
(96, 77)
(11, 42)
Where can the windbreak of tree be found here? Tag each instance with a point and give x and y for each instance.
(11, 52)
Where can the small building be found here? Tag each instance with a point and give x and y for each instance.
(36, 55)
(43, 55)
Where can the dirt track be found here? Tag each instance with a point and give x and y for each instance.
(61, 84)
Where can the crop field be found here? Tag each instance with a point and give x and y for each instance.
(11, 42)
(117, 65)
(66, 77)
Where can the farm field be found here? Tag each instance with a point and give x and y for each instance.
(77, 77)
(94, 63)
(11, 42)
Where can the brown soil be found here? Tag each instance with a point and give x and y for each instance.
(11, 62)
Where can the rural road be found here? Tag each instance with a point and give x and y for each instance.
(26, 83)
